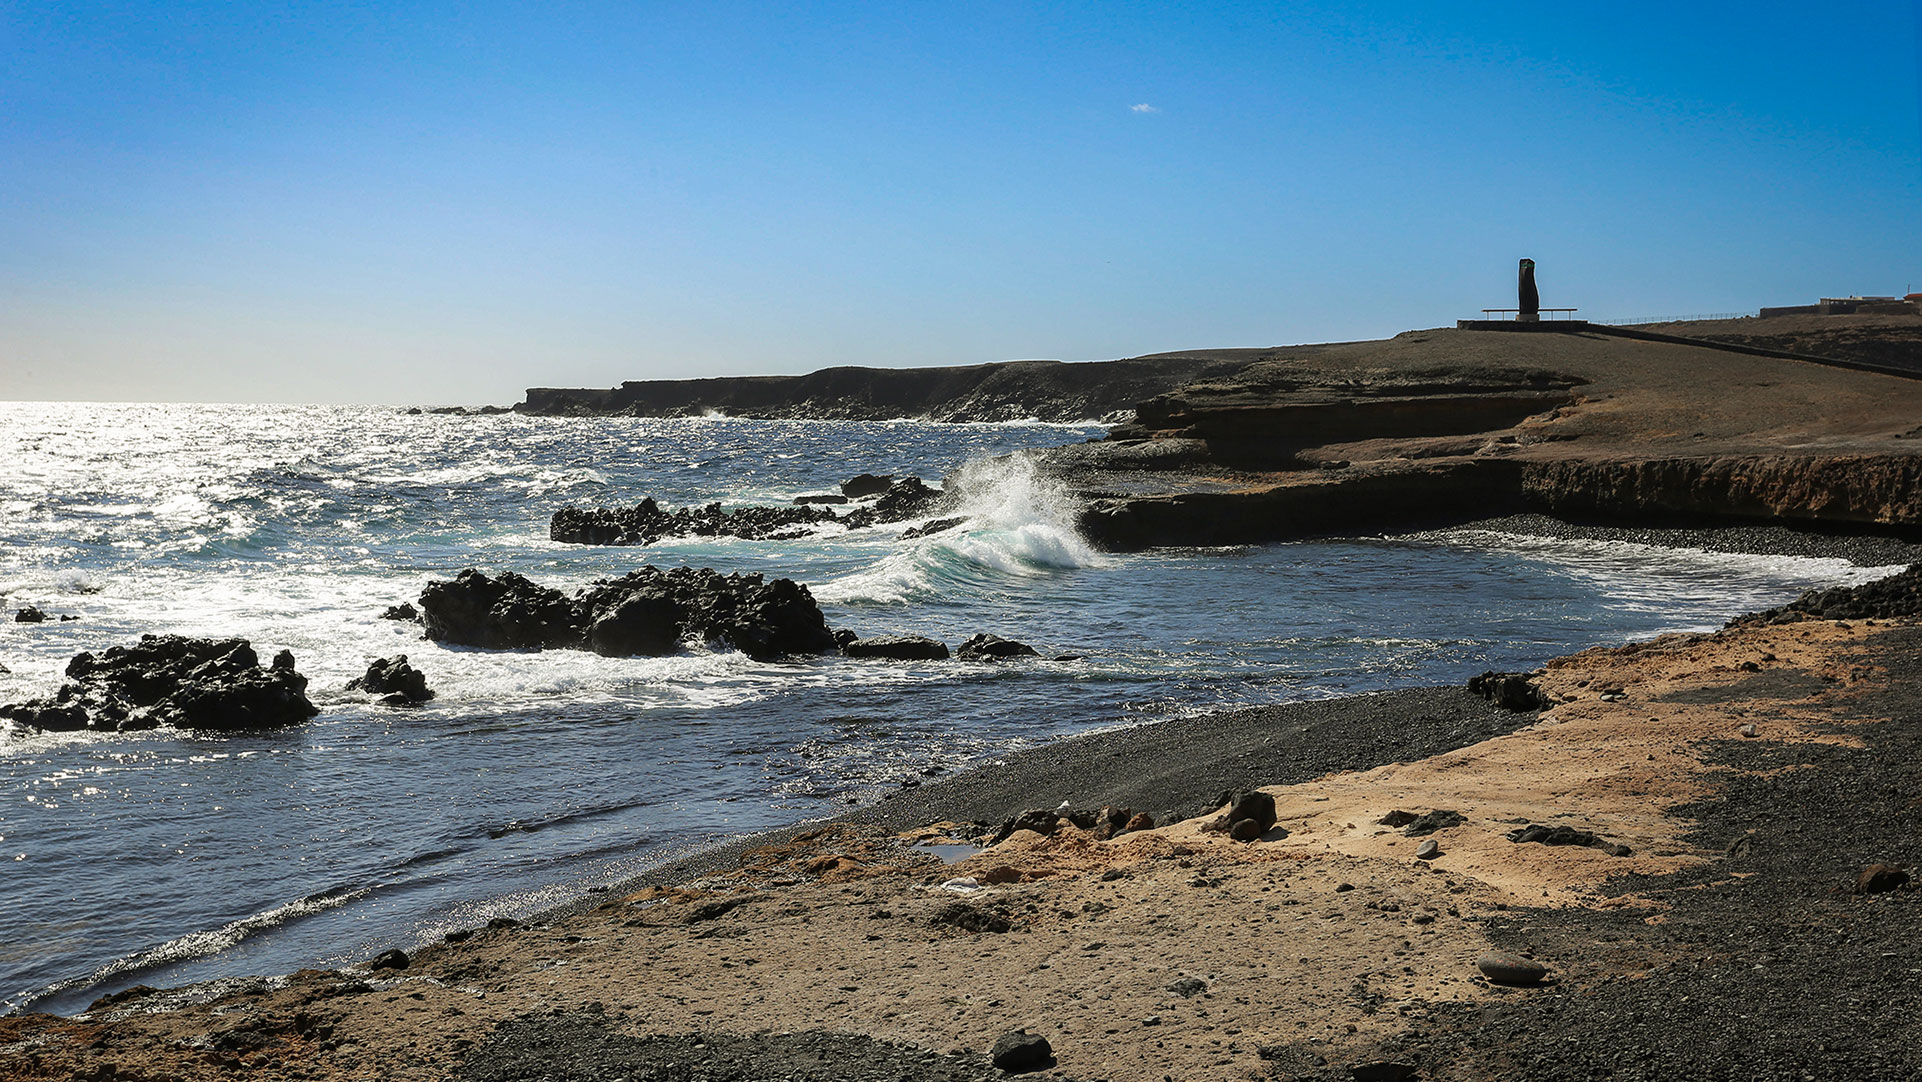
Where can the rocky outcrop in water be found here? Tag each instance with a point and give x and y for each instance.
(187, 683)
(897, 648)
(648, 522)
(395, 681)
(985, 647)
(649, 611)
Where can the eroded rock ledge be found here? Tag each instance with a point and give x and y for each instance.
(1437, 428)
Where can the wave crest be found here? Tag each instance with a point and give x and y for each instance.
(1021, 522)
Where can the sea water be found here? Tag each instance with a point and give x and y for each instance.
(535, 778)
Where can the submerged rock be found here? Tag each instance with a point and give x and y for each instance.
(403, 611)
(29, 615)
(993, 648)
(898, 648)
(648, 611)
(188, 683)
(395, 681)
(647, 522)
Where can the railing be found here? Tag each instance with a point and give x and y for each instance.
(1569, 313)
(1672, 319)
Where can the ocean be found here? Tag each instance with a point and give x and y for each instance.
(534, 779)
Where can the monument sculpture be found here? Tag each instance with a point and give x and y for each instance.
(1530, 306)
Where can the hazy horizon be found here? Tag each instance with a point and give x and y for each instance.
(449, 205)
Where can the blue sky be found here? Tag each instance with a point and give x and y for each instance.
(423, 203)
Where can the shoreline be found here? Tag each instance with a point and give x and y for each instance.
(1179, 764)
(976, 795)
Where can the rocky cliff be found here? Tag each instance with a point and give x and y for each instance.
(1438, 427)
(1008, 391)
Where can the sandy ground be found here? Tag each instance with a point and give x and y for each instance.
(1171, 953)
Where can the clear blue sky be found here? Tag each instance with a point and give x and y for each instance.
(424, 203)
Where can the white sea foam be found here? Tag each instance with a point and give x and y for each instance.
(203, 944)
(1020, 522)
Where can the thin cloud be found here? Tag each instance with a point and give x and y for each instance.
(1144, 107)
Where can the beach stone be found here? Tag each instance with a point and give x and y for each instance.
(1505, 968)
(821, 497)
(403, 611)
(1245, 830)
(395, 681)
(1750, 730)
(842, 636)
(1398, 818)
(993, 648)
(897, 648)
(1252, 806)
(1428, 850)
(1188, 987)
(29, 615)
(1138, 821)
(1039, 820)
(1509, 690)
(1021, 1051)
(1877, 878)
(390, 959)
(1440, 819)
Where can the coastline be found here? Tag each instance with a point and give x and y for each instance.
(1314, 750)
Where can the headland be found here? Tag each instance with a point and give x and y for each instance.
(1687, 858)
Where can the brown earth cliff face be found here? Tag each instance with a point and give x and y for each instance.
(1433, 428)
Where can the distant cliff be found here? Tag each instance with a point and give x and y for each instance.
(1008, 391)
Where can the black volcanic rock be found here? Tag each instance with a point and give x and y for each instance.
(1899, 595)
(1509, 690)
(188, 683)
(648, 611)
(505, 613)
(865, 485)
(647, 522)
(395, 680)
(907, 498)
(897, 648)
(986, 647)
